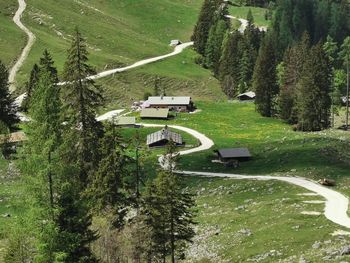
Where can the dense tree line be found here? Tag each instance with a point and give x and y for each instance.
(75, 169)
(298, 69)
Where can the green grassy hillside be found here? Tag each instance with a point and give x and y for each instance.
(118, 33)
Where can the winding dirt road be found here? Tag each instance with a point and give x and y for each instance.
(336, 204)
(31, 39)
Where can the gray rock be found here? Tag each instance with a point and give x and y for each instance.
(345, 251)
(245, 231)
(302, 260)
(316, 245)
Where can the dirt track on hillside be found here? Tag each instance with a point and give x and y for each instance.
(31, 39)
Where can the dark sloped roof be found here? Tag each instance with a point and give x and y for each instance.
(164, 134)
(234, 153)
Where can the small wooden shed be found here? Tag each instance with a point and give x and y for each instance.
(234, 154)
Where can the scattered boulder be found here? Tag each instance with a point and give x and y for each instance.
(316, 245)
(344, 251)
(245, 232)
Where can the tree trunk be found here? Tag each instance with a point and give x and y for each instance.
(347, 96)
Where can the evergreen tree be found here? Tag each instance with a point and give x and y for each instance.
(41, 160)
(169, 211)
(214, 45)
(313, 92)
(106, 192)
(330, 48)
(47, 65)
(345, 55)
(7, 109)
(205, 21)
(264, 78)
(229, 62)
(294, 61)
(82, 97)
(30, 86)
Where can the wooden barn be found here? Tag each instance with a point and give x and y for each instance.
(179, 104)
(234, 154)
(162, 137)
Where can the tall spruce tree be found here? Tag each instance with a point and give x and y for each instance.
(7, 109)
(30, 86)
(205, 21)
(313, 98)
(294, 60)
(82, 97)
(41, 160)
(229, 62)
(330, 48)
(345, 56)
(264, 78)
(168, 209)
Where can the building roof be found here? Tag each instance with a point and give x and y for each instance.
(154, 113)
(125, 121)
(249, 94)
(162, 100)
(234, 153)
(164, 134)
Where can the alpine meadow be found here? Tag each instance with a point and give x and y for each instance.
(189, 131)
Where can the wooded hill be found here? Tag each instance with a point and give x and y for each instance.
(297, 68)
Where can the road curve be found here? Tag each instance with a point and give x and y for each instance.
(336, 204)
(31, 39)
(178, 49)
(244, 24)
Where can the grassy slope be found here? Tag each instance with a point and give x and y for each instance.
(118, 33)
(258, 14)
(272, 210)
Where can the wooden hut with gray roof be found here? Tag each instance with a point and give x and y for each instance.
(162, 137)
(179, 104)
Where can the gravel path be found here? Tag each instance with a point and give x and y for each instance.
(178, 49)
(244, 24)
(336, 204)
(31, 39)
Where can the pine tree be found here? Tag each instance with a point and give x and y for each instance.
(214, 45)
(294, 60)
(82, 97)
(330, 48)
(205, 21)
(30, 86)
(47, 65)
(106, 191)
(229, 62)
(313, 99)
(264, 78)
(40, 160)
(7, 109)
(345, 55)
(169, 211)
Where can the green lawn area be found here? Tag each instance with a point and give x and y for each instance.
(258, 14)
(275, 147)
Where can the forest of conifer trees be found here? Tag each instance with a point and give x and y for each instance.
(298, 68)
